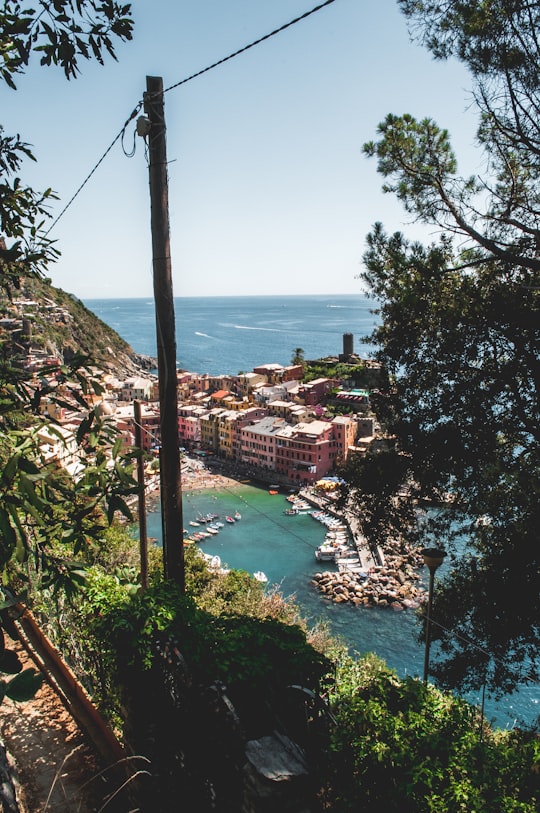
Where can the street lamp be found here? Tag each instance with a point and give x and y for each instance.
(433, 558)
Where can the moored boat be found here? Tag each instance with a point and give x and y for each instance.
(328, 552)
(325, 553)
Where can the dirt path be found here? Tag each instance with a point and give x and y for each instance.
(53, 758)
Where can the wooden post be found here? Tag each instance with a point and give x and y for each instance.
(170, 472)
(143, 539)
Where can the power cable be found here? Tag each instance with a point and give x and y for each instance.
(172, 87)
(251, 45)
(107, 151)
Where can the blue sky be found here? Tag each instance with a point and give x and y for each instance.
(269, 191)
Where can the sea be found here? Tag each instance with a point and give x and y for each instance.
(229, 335)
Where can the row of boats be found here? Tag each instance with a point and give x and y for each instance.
(297, 505)
(211, 525)
(337, 546)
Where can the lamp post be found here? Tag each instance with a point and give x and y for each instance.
(433, 558)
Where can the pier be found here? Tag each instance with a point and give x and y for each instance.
(368, 558)
(372, 580)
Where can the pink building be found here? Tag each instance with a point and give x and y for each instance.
(314, 391)
(306, 452)
(258, 442)
(276, 373)
(345, 432)
(124, 419)
(189, 423)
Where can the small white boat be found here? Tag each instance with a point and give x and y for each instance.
(330, 553)
(230, 519)
(325, 553)
(260, 576)
(237, 515)
(195, 524)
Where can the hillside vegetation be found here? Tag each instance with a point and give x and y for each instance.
(60, 325)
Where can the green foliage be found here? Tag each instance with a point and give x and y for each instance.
(233, 648)
(61, 33)
(401, 746)
(235, 591)
(46, 513)
(395, 746)
(78, 336)
(360, 376)
(26, 682)
(459, 336)
(22, 215)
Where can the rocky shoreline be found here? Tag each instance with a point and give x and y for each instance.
(390, 579)
(394, 584)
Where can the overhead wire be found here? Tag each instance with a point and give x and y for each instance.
(83, 184)
(251, 45)
(139, 104)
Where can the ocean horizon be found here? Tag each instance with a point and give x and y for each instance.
(227, 335)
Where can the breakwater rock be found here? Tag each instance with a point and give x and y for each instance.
(394, 585)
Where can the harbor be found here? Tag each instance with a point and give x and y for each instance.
(346, 569)
(283, 548)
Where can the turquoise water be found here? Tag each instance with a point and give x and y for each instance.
(283, 548)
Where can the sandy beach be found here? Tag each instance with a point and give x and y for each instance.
(196, 477)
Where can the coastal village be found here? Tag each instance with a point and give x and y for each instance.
(267, 426)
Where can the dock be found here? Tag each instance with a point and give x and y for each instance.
(368, 558)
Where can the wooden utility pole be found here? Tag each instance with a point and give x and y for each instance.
(170, 472)
(143, 538)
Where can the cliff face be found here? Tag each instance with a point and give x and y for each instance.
(39, 318)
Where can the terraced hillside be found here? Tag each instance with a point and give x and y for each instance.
(37, 316)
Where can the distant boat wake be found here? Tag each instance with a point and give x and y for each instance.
(248, 327)
(205, 335)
